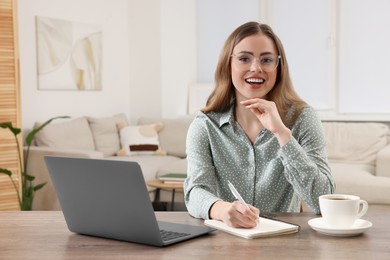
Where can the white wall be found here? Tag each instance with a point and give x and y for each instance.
(144, 59)
(364, 59)
(39, 105)
(178, 54)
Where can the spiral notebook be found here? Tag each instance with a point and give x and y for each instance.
(265, 228)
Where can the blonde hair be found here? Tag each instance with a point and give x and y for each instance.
(283, 93)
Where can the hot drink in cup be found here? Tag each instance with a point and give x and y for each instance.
(341, 210)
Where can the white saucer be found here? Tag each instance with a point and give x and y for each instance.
(357, 228)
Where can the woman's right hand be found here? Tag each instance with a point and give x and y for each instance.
(235, 214)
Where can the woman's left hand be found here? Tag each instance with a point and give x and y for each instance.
(268, 115)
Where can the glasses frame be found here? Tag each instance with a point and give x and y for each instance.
(278, 57)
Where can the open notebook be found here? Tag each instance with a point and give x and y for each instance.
(266, 227)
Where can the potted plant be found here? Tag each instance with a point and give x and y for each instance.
(25, 198)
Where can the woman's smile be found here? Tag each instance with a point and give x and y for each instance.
(255, 82)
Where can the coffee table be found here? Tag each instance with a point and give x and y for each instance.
(160, 185)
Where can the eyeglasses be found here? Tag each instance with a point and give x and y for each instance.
(268, 62)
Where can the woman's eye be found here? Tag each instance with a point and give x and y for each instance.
(244, 59)
(267, 60)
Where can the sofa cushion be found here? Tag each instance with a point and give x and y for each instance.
(173, 135)
(355, 142)
(105, 133)
(72, 134)
(139, 140)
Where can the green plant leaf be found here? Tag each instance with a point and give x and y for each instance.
(29, 177)
(31, 135)
(26, 195)
(9, 126)
(5, 171)
(39, 186)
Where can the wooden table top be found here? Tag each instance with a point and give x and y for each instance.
(44, 235)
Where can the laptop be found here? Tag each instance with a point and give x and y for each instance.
(107, 198)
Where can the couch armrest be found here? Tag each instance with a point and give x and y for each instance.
(383, 162)
(46, 198)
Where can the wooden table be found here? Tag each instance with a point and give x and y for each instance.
(160, 185)
(44, 235)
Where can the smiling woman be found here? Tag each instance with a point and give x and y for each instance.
(256, 132)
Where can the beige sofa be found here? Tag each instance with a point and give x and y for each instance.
(99, 138)
(359, 153)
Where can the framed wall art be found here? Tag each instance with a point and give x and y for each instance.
(69, 55)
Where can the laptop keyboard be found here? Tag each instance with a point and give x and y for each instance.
(169, 235)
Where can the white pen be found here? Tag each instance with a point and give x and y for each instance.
(238, 196)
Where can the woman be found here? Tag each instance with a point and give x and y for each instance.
(256, 133)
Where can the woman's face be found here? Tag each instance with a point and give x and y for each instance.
(252, 64)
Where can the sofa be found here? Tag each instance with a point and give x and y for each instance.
(99, 138)
(359, 153)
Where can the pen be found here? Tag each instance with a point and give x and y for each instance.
(238, 196)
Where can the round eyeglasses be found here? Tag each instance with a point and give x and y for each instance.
(268, 62)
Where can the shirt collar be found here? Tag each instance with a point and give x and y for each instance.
(227, 117)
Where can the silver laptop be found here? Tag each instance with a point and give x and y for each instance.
(108, 198)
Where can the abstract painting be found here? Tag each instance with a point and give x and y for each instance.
(69, 55)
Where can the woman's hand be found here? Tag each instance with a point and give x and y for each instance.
(268, 115)
(235, 214)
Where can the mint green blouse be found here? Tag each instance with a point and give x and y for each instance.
(270, 177)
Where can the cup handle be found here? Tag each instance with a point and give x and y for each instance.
(363, 209)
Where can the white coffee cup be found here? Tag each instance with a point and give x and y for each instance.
(341, 210)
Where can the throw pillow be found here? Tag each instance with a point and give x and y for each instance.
(174, 134)
(71, 134)
(140, 140)
(105, 133)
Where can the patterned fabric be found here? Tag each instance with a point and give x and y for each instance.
(270, 177)
(139, 140)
